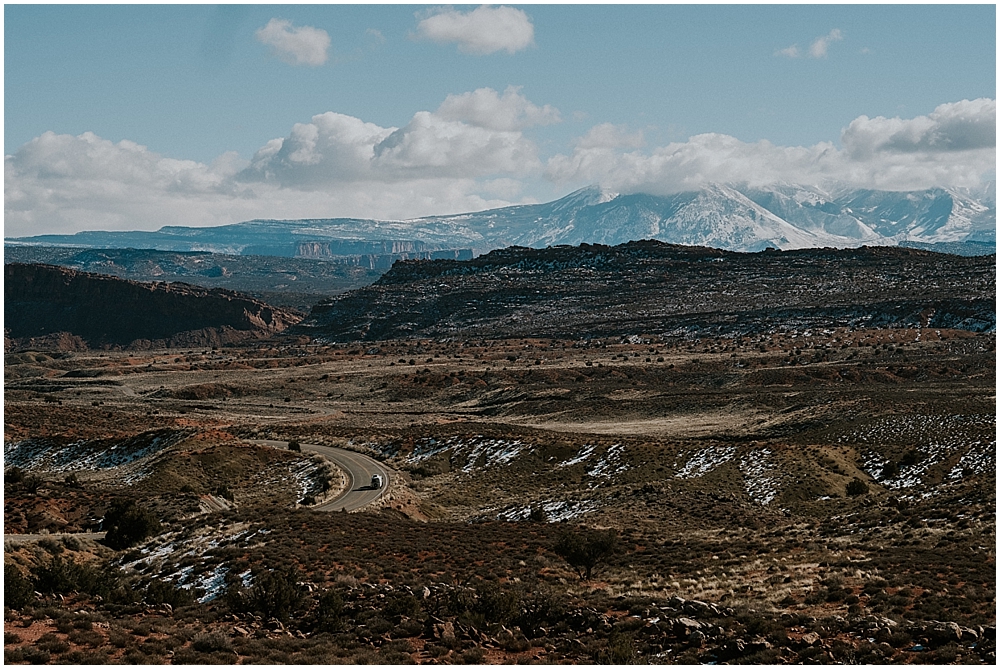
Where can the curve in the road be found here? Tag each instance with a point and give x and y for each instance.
(359, 469)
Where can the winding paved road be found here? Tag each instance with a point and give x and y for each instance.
(359, 468)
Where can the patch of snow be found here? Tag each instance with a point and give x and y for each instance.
(756, 468)
(85, 455)
(212, 583)
(584, 453)
(705, 460)
(466, 452)
(555, 511)
(980, 458)
(610, 464)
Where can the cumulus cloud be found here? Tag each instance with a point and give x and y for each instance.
(482, 31)
(818, 49)
(821, 45)
(486, 108)
(332, 147)
(957, 126)
(296, 45)
(334, 165)
(436, 146)
(477, 135)
(953, 146)
(789, 52)
(63, 184)
(469, 154)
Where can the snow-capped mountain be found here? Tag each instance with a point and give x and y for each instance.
(731, 217)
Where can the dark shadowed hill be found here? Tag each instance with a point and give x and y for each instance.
(650, 287)
(43, 301)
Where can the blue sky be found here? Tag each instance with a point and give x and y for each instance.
(139, 116)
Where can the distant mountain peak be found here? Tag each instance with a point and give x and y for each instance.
(735, 217)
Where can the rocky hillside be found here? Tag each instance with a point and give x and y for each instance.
(42, 301)
(296, 283)
(655, 288)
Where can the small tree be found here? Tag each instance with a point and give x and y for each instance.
(127, 524)
(538, 515)
(295, 446)
(329, 613)
(273, 594)
(585, 551)
(496, 603)
(857, 487)
(17, 590)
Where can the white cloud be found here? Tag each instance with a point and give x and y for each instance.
(482, 31)
(789, 52)
(818, 49)
(468, 155)
(953, 146)
(957, 126)
(820, 45)
(332, 147)
(334, 165)
(430, 145)
(485, 108)
(335, 147)
(296, 45)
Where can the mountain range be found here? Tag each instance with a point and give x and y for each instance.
(729, 217)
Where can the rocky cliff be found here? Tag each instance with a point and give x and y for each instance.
(104, 311)
(655, 288)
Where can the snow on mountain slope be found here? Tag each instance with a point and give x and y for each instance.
(731, 217)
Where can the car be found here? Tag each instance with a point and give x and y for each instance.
(377, 481)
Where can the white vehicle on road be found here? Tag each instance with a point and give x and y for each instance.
(377, 481)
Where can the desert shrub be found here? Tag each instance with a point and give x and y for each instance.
(513, 643)
(619, 650)
(87, 638)
(17, 590)
(474, 655)
(538, 515)
(51, 545)
(31, 484)
(402, 605)
(51, 643)
(14, 476)
(27, 654)
(127, 524)
(295, 446)
(120, 638)
(584, 551)
(159, 591)
(57, 576)
(273, 594)
(210, 642)
(497, 604)
(537, 610)
(857, 487)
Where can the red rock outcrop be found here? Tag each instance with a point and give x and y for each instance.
(105, 311)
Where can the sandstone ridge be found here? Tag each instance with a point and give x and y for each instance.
(42, 301)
